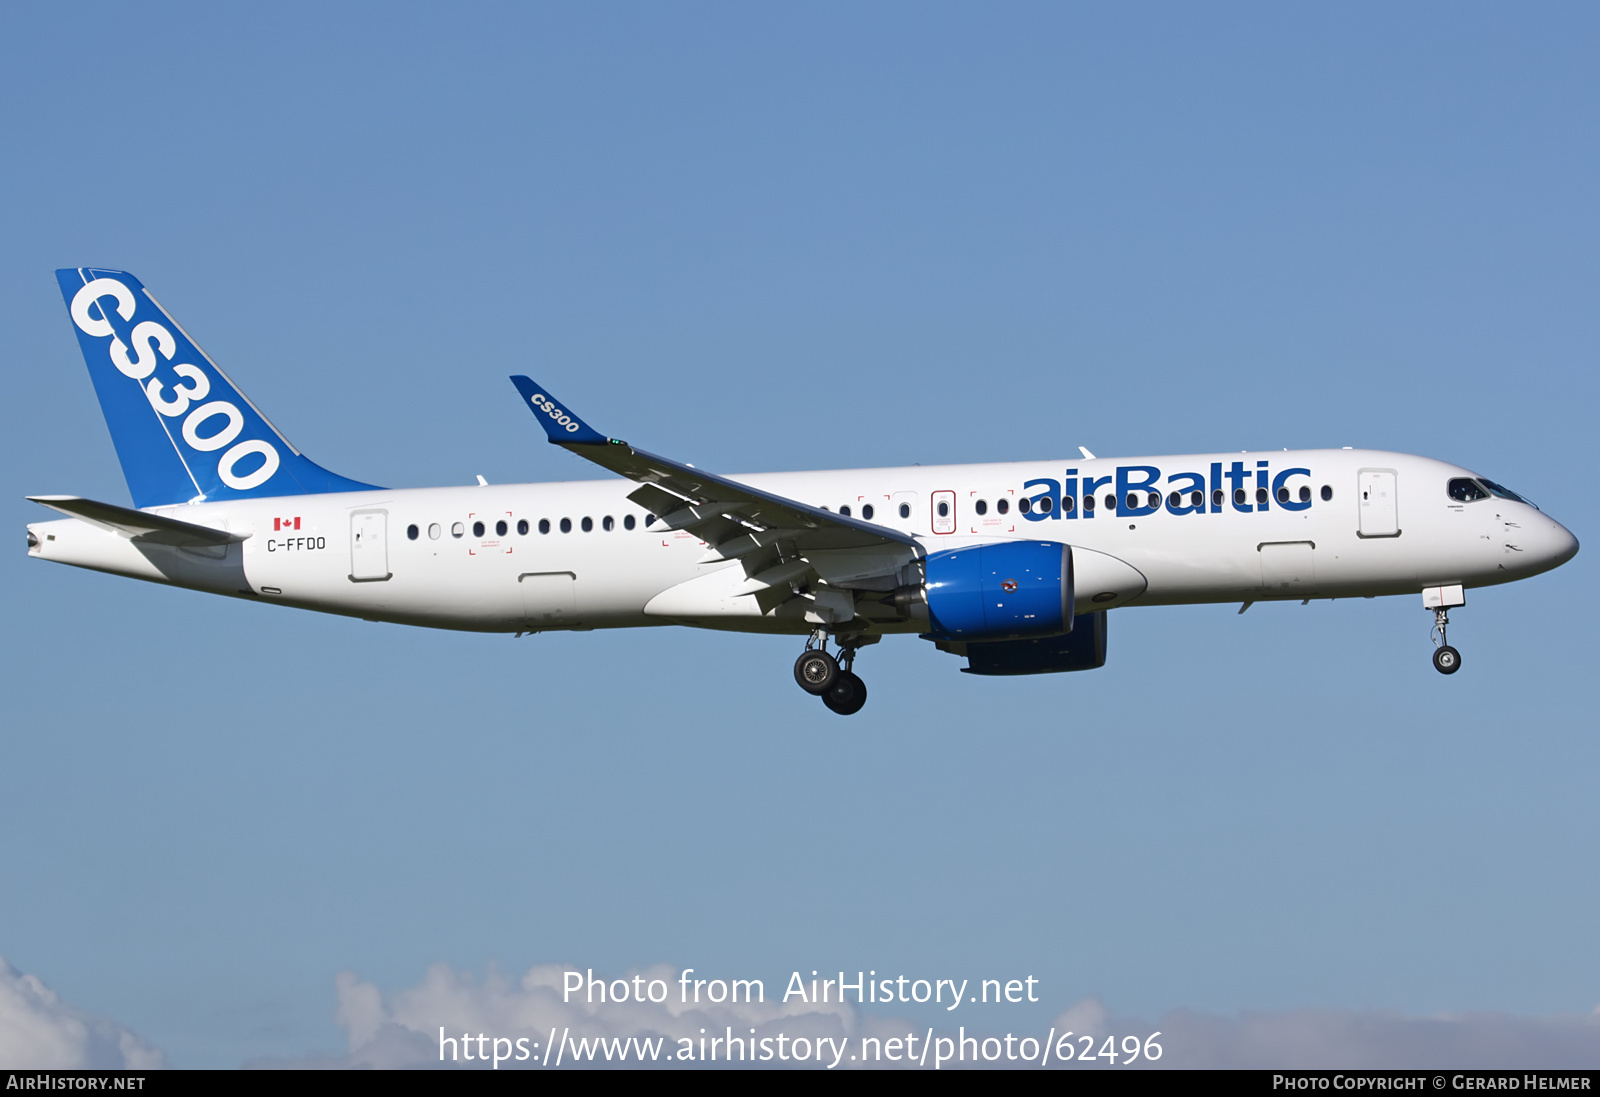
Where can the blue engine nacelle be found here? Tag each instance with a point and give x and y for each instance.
(1008, 591)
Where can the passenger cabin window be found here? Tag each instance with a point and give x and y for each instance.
(627, 521)
(588, 524)
(477, 529)
(1216, 498)
(544, 525)
(412, 533)
(1088, 504)
(1003, 505)
(457, 530)
(867, 512)
(566, 525)
(1466, 491)
(434, 531)
(1024, 505)
(500, 528)
(944, 509)
(1111, 502)
(608, 523)
(905, 510)
(1327, 493)
(1067, 504)
(1305, 494)
(981, 507)
(1197, 498)
(845, 510)
(522, 525)
(1261, 495)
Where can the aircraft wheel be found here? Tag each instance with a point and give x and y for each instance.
(816, 671)
(847, 694)
(1446, 660)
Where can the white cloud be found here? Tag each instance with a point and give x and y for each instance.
(38, 1031)
(402, 1030)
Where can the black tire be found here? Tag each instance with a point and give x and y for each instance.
(847, 695)
(816, 671)
(1446, 660)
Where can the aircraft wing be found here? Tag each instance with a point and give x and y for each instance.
(138, 525)
(731, 518)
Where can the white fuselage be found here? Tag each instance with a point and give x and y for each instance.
(416, 556)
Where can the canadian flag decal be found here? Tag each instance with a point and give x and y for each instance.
(286, 523)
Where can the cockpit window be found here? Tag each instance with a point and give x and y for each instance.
(1467, 491)
(1506, 493)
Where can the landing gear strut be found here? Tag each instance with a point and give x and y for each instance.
(1446, 659)
(834, 680)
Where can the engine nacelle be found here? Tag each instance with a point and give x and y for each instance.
(1006, 591)
(1084, 648)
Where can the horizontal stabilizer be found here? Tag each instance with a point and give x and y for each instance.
(138, 525)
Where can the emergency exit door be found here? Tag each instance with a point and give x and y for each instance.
(1378, 503)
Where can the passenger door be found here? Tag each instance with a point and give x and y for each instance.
(1379, 503)
(369, 546)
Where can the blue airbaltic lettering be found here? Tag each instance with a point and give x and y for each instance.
(543, 403)
(1142, 490)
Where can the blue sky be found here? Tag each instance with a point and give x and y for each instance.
(760, 238)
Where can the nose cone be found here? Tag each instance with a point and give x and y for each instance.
(1557, 544)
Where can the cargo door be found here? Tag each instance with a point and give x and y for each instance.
(549, 598)
(369, 546)
(1380, 511)
(1288, 568)
(943, 505)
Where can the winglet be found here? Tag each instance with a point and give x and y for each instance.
(563, 427)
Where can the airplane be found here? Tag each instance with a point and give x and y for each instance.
(1013, 567)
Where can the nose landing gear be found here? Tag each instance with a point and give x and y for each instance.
(834, 680)
(1446, 659)
(1442, 599)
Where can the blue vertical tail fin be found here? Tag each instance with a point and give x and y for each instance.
(184, 432)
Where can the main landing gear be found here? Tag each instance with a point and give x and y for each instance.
(833, 680)
(1446, 659)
